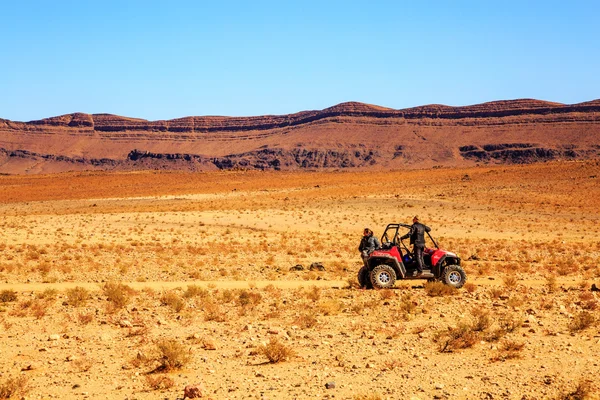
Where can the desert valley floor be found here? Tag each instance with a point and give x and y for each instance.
(134, 285)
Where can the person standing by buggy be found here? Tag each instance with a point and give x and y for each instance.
(368, 244)
(417, 239)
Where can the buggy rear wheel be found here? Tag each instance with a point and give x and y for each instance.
(383, 277)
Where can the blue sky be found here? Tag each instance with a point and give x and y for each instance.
(163, 60)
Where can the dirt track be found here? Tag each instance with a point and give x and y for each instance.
(337, 284)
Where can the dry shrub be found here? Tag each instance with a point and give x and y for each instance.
(48, 294)
(495, 293)
(551, 283)
(14, 388)
(247, 298)
(510, 322)
(83, 364)
(330, 307)
(85, 319)
(275, 351)
(509, 349)
(352, 283)
(173, 300)
(386, 294)
(159, 382)
(306, 321)
(390, 365)
(583, 391)
(314, 293)
(118, 294)
(481, 320)
(213, 312)
(510, 282)
(172, 354)
(195, 291)
(77, 296)
(461, 337)
(7, 296)
(582, 321)
(470, 287)
(435, 289)
(368, 396)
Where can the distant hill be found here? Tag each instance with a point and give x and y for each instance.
(345, 136)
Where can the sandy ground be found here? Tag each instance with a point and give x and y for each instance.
(206, 260)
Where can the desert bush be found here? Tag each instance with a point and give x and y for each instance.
(495, 293)
(172, 299)
(470, 287)
(213, 312)
(14, 388)
(368, 396)
(461, 337)
(386, 294)
(159, 382)
(510, 282)
(481, 320)
(510, 322)
(85, 319)
(306, 321)
(195, 291)
(83, 364)
(7, 296)
(583, 391)
(582, 321)
(551, 283)
(118, 294)
(275, 351)
(247, 298)
(435, 289)
(314, 293)
(330, 307)
(509, 349)
(172, 354)
(77, 296)
(48, 294)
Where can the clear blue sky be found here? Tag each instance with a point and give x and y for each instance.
(170, 59)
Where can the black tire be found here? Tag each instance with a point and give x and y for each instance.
(363, 278)
(383, 277)
(454, 276)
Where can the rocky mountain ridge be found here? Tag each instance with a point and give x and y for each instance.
(348, 135)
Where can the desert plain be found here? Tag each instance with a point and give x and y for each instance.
(133, 285)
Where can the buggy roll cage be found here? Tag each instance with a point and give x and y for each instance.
(395, 238)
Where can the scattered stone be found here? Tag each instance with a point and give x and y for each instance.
(71, 358)
(76, 386)
(125, 324)
(193, 391)
(330, 385)
(54, 337)
(30, 367)
(316, 266)
(594, 288)
(297, 267)
(439, 386)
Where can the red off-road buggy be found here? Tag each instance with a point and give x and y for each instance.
(395, 261)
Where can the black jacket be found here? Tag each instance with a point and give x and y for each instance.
(417, 234)
(369, 244)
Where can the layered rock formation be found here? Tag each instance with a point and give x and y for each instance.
(349, 135)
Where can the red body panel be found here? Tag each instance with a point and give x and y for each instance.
(435, 254)
(391, 252)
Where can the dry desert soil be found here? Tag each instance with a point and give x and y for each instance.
(134, 285)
